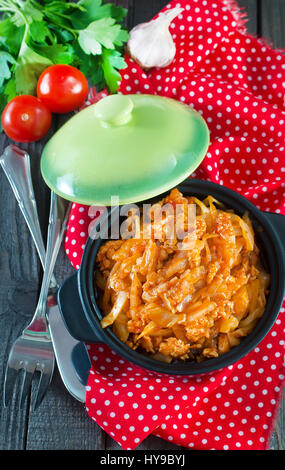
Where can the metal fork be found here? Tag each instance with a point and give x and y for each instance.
(33, 350)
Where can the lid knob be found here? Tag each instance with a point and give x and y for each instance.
(114, 110)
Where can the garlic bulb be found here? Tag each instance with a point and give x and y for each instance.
(151, 44)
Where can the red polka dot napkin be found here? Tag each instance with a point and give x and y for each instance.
(237, 83)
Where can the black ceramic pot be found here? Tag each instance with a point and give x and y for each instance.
(77, 296)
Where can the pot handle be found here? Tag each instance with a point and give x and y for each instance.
(81, 362)
(73, 314)
(278, 222)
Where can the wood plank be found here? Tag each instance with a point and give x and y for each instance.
(272, 22)
(150, 443)
(20, 273)
(61, 423)
(128, 4)
(145, 11)
(250, 8)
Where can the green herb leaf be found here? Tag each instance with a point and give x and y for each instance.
(3, 102)
(88, 42)
(122, 37)
(5, 60)
(39, 31)
(99, 33)
(31, 12)
(11, 37)
(28, 69)
(64, 36)
(6, 27)
(10, 90)
(57, 53)
(91, 11)
(94, 10)
(26, 14)
(112, 61)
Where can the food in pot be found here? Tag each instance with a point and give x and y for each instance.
(188, 294)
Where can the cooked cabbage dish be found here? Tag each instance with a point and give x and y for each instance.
(190, 298)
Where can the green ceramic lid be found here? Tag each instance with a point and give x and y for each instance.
(131, 146)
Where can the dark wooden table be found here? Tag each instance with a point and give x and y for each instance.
(61, 422)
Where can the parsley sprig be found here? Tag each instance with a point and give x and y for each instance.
(35, 34)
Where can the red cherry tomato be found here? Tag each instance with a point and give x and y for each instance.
(62, 88)
(26, 119)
